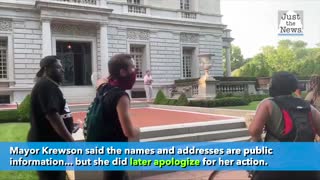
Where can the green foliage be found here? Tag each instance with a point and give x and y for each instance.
(227, 101)
(223, 95)
(202, 103)
(9, 116)
(172, 102)
(231, 101)
(291, 56)
(24, 109)
(182, 100)
(252, 98)
(256, 67)
(160, 98)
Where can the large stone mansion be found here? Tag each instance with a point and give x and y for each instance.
(165, 36)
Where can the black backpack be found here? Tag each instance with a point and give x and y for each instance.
(297, 120)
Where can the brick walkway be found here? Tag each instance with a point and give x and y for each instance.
(145, 117)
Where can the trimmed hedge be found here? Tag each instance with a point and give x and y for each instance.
(231, 101)
(221, 100)
(182, 100)
(228, 101)
(9, 116)
(223, 95)
(236, 78)
(256, 97)
(22, 114)
(24, 109)
(160, 98)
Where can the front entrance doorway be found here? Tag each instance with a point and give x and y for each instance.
(76, 58)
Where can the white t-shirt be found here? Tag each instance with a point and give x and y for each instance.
(147, 80)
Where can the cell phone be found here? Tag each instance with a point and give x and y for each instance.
(76, 127)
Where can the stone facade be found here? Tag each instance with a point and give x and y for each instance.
(161, 31)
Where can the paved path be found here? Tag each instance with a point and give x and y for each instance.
(145, 117)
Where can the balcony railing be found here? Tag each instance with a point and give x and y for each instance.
(188, 15)
(91, 2)
(232, 88)
(135, 8)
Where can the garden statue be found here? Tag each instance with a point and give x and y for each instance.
(206, 64)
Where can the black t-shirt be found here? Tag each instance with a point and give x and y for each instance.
(112, 127)
(46, 97)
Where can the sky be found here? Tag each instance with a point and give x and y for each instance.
(254, 23)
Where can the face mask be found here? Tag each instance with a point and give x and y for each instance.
(125, 83)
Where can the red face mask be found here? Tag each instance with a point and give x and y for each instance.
(124, 83)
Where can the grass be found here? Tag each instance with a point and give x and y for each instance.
(252, 106)
(15, 132)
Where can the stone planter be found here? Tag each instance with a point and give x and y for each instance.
(263, 82)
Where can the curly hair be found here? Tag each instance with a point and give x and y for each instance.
(315, 85)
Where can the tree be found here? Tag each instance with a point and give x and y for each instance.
(292, 56)
(257, 67)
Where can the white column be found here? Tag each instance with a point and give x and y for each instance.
(104, 49)
(196, 5)
(46, 38)
(228, 62)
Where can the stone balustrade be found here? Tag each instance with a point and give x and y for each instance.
(135, 8)
(90, 2)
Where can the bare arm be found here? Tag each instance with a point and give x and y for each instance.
(58, 125)
(316, 119)
(124, 117)
(309, 97)
(260, 118)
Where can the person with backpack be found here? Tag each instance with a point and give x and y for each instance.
(286, 119)
(108, 118)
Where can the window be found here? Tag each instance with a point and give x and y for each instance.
(137, 53)
(133, 1)
(135, 6)
(3, 58)
(76, 60)
(187, 62)
(185, 5)
(4, 99)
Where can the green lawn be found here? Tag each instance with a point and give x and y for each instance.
(252, 106)
(15, 132)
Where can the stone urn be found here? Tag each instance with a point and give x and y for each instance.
(206, 64)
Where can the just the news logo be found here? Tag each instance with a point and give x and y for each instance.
(290, 23)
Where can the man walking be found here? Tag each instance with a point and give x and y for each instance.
(51, 119)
